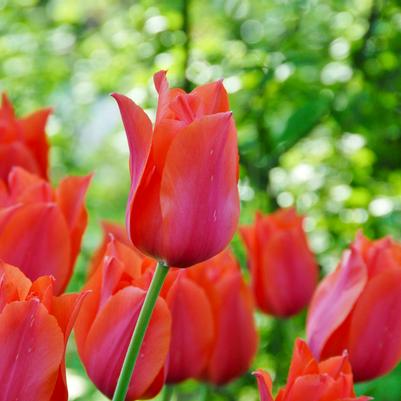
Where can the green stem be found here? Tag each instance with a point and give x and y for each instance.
(167, 392)
(139, 332)
(204, 392)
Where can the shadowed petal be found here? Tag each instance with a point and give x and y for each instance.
(192, 330)
(32, 347)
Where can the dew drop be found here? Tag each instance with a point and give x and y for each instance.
(211, 152)
(215, 216)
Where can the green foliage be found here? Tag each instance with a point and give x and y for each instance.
(315, 89)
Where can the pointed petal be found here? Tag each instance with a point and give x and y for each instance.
(213, 98)
(109, 336)
(375, 334)
(334, 299)
(32, 347)
(70, 196)
(192, 330)
(302, 362)
(35, 238)
(33, 129)
(264, 384)
(199, 195)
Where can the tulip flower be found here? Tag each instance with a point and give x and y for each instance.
(41, 228)
(283, 269)
(108, 318)
(34, 330)
(213, 330)
(23, 140)
(357, 308)
(308, 380)
(183, 206)
(213, 335)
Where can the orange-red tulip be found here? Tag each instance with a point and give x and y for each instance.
(213, 335)
(358, 308)
(183, 206)
(283, 269)
(41, 228)
(308, 380)
(23, 140)
(235, 338)
(108, 318)
(34, 329)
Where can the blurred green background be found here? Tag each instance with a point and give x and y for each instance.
(315, 89)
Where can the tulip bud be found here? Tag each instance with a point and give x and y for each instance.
(283, 269)
(183, 206)
(357, 308)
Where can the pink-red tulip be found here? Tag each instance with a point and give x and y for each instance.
(108, 318)
(41, 228)
(213, 335)
(34, 329)
(213, 332)
(23, 140)
(283, 269)
(308, 380)
(183, 206)
(358, 307)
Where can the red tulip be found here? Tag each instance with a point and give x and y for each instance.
(23, 140)
(213, 335)
(330, 380)
(41, 229)
(357, 308)
(34, 330)
(107, 321)
(283, 269)
(235, 338)
(183, 206)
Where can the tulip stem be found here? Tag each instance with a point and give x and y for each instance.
(139, 332)
(168, 392)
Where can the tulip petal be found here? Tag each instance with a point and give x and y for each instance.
(264, 385)
(35, 238)
(302, 362)
(26, 187)
(236, 339)
(16, 154)
(33, 128)
(138, 128)
(65, 310)
(192, 330)
(375, 333)
(334, 299)
(213, 98)
(109, 336)
(286, 280)
(199, 195)
(32, 347)
(70, 197)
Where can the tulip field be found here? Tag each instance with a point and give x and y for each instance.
(200, 200)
